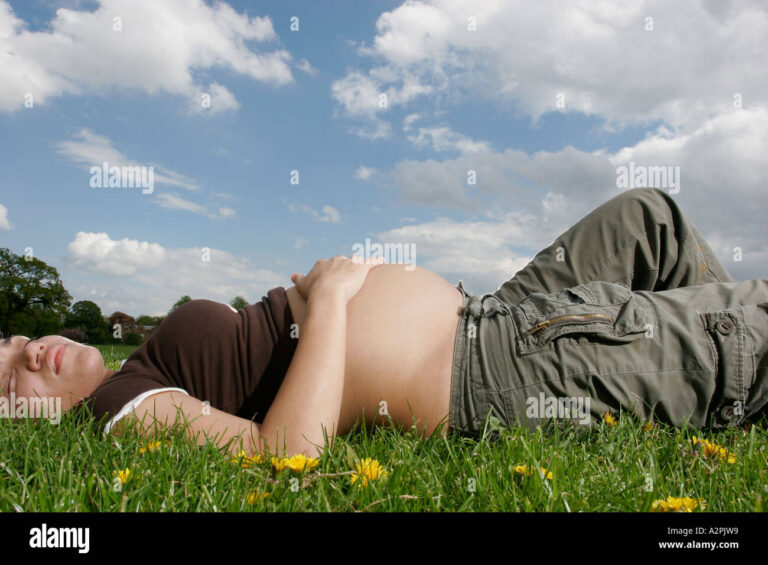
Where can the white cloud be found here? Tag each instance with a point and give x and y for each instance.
(365, 95)
(408, 121)
(691, 73)
(97, 252)
(5, 224)
(723, 169)
(213, 100)
(91, 150)
(306, 67)
(132, 276)
(160, 47)
(357, 93)
(598, 55)
(329, 213)
(175, 202)
(300, 242)
(460, 182)
(478, 252)
(443, 138)
(364, 173)
(372, 129)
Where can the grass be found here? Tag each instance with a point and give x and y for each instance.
(621, 468)
(113, 354)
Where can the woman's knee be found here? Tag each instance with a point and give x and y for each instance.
(647, 203)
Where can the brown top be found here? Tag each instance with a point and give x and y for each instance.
(236, 360)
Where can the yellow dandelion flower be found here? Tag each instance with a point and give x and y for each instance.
(277, 463)
(368, 470)
(297, 463)
(674, 504)
(301, 463)
(151, 446)
(609, 419)
(648, 426)
(123, 475)
(256, 495)
(524, 470)
(246, 461)
(711, 449)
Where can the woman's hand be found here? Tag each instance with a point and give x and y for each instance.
(341, 276)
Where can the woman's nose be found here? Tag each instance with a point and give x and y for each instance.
(34, 355)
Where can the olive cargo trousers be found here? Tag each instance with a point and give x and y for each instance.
(628, 310)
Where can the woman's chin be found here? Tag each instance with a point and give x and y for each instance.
(90, 373)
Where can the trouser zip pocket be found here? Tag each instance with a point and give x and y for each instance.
(597, 310)
(569, 319)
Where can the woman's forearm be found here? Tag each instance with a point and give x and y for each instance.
(309, 399)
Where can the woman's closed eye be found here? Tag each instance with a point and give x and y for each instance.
(5, 383)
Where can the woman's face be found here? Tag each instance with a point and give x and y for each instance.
(49, 367)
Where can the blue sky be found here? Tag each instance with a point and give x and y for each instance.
(544, 104)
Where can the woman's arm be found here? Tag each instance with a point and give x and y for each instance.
(309, 400)
(203, 423)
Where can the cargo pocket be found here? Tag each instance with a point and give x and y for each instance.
(601, 310)
(736, 371)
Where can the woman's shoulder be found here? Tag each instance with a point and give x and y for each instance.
(198, 314)
(200, 305)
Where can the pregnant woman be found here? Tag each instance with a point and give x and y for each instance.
(628, 310)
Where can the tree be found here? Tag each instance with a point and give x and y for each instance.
(132, 338)
(238, 302)
(48, 323)
(31, 294)
(75, 334)
(180, 302)
(87, 315)
(146, 320)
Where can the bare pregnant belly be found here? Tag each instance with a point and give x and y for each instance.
(401, 328)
